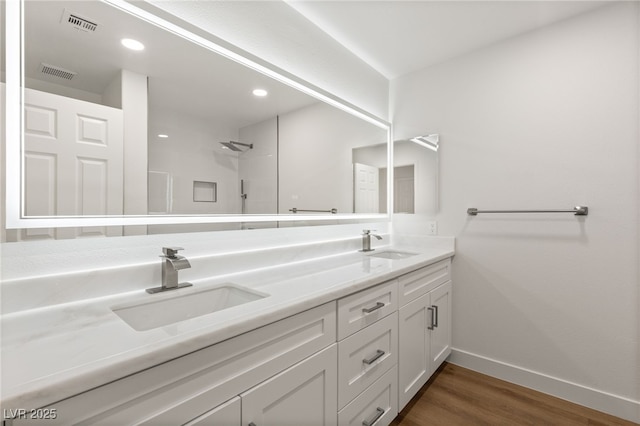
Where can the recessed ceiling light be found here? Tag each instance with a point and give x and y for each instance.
(260, 93)
(163, 136)
(132, 44)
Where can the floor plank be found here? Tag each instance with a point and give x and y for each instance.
(458, 396)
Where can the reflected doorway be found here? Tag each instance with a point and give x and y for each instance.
(403, 189)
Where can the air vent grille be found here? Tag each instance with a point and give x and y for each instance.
(57, 71)
(78, 22)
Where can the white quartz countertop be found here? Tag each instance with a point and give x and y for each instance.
(52, 353)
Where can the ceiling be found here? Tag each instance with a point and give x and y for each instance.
(398, 37)
(394, 37)
(183, 76)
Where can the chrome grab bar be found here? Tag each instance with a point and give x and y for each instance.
(577, 210)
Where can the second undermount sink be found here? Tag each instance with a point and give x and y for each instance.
(148, 314)
(393, 254)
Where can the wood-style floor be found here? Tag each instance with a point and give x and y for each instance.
(458, 396)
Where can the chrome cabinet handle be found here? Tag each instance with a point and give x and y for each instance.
(373, 359)
(435, 308)
(433, 318)
(373, 308)
(376, 416)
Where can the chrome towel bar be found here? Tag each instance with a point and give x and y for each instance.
(332, 211)
(577, 210)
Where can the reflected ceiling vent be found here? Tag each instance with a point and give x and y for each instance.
(78, 22)
(54, 71)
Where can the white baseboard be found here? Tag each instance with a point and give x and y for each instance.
(615, 405)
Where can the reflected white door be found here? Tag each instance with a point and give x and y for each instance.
(73, 162)
(366, 191)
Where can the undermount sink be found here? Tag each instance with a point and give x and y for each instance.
(393, 254)
(149, 314)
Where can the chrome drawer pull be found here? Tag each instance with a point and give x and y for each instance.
(375, 308)
(433, 318)
(373, 359)
(376, 416)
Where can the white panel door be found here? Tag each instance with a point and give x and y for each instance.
(366, 191)
(414, 348)
(73, 161)
(304, 394)
(441, 333)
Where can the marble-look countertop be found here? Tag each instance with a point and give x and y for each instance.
(54, 352)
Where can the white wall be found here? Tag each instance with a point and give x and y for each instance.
(276, 33)
(69, 92)
(192, 153)
(259, 167)
(545, 120)
(316, 145)
(425, 164)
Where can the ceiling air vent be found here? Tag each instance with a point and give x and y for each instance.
(57, 71)
(78, 22)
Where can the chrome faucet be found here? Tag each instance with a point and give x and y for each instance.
(366, 240)
(171, 264)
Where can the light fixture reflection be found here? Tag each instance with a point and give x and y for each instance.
(261, 93)
(427, 141)
(132, 44)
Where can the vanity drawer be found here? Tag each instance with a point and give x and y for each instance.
(182, 389)
(377, 405)
(415, 284)
(365, 356)
(362, 309)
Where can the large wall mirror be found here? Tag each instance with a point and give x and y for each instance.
(168, 130)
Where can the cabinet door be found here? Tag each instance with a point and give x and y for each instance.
(304, 394)
(414, 348)
(227, 414)
(441, 333)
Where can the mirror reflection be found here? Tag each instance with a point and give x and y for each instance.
(415, 176)
(123, 117)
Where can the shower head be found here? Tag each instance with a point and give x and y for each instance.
(235, 146)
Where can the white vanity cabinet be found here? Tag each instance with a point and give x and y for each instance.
(424, 327)
(183, 389)
(301, 395)
(356, 360)
(227, 414)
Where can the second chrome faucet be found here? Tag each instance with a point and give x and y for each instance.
(366, 240)
(171, 264)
